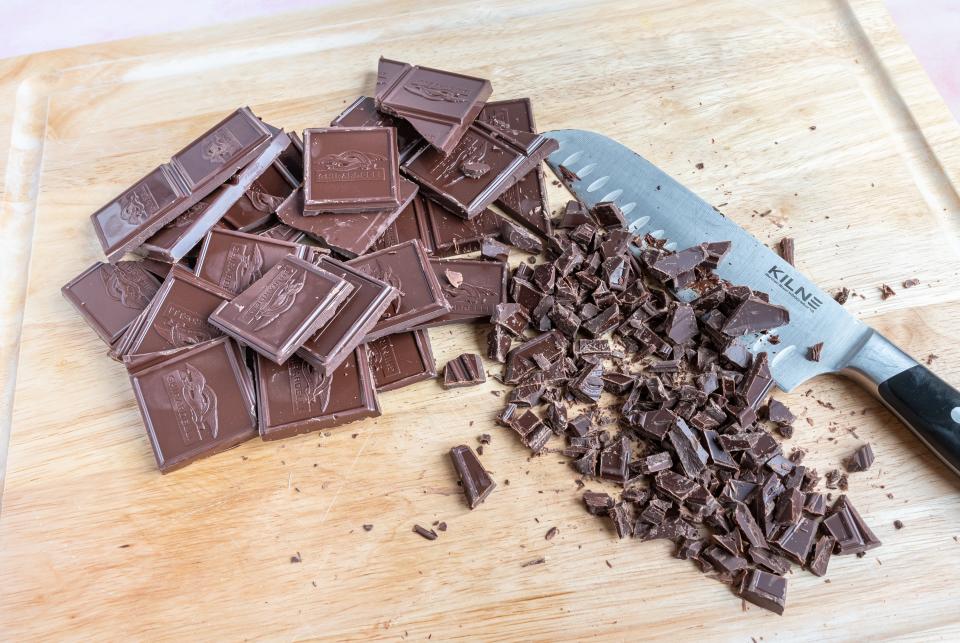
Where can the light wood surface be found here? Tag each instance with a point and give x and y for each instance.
(95, 543)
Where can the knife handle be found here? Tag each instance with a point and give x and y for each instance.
(925, 403)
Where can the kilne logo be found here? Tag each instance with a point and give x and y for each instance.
(797, 291)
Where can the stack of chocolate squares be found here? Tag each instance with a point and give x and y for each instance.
(281, 282)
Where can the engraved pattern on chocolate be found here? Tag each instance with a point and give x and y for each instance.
(385, 274)
(468, 298)
(220, 146)
(309, 390)
(351, 165)
(137, 204)
(436, 92)
(277, 298)
(128, 284)
(471, 150)
(383, 357)
(181, 327)
(243, 266)
(193, 402)
(262, 200)
(188, 217)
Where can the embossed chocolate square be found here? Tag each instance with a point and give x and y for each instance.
(440, 105)
(177, 316)
(261, 200)
(295, 398)
(282, 309)
(110, 297)
(196, 403)
(405, 267)
(401, 359)
(363, 113)
(234, 260)
(473, 288)
(350, 169)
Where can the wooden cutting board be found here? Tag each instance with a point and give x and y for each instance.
(811, 119)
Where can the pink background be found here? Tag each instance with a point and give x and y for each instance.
(932, 27)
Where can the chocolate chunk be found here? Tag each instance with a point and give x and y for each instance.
(789, 507)
(682, 324)
(757, 381)
(476, 482)
(526, 394)
(861, 459)
(848, 528)
(886, 292)
(778, 412)
(656, 462)
(787, 250)
(820, 558)
(621, 521)
(691, 456)
(765, 590)
(605, 321)
(587, 386)
(452, 234)
(519, 238)
(666, 266)
(401, 359)
(815, 504)
(772, 562)
(465, 370)
(724, 561)
(494, 250)
(429, 534)
(796, 540)
(718, 454)
(615, 461)
(533, 432)
(910, 283)
(753, 316)
(512, 317)
(617, 383)
(674, 485)
(814, 352)
(748, 525)
(608, 215)
(498, 344)
(520, 362)
(598, 504)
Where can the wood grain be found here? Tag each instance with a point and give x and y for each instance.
(94, 543)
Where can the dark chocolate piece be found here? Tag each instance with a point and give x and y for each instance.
(429, 534)
(294, 398)
(861, 459)
(520, 360)
(498, 344)
(587, 386)
(465, 370)
(778, 412)
(329, 346)
(454, 235)
(608, 215)
(910, 283)
(848, 528)
(476, 482)
(494, 250)
(194, 172)
(574, 214)
(820, 558)
(484, 286)
(411, 223)
(787, 250)
(796, 540)
(234, 260)
(755, 315)
(255, 208)
(363, 113)
(350, 170)
(765, 590)
(814, 352)
(283, 309)
(440, 105)
(512, 317)
(110, 297)
(519, 238)
(196, 403)
(597, 503)
(401, 359)
(886, 292)
(406, 268)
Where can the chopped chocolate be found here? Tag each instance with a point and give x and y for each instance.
(910, 283)
(778, 412)
(519, 238)
(401, 359)
(608, 215)
(861, 459)
(465, 370)
(787, 248)
(498, 344)
(886, 292)
(494, 250)
(848, 528)
(476, 482)
(511, 317)
(615, 461)
(766, 590)
(553, 531)
(772, 562)
(753, 316)
(587, 386)
(841, 296)
(814, 352)
(597, 503)
(820, 558)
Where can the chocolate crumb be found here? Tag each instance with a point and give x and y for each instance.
(296, 559)
(368, 527)
(484, 438)
(897, 524)
(553, 531)
(535, 561)
(841, 296)
(910, 283)
(886, 292)
(442, 526)
(429, 534)
(608, 564)
(814, 352)
(699, 166)
(788, 250)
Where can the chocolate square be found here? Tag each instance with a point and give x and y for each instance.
(295, 398)
(282, 309)
(234, 260)
(484, 286)
(405, 267)
(401, 359)
(111, 296)
(350, 170)
(363, 113)
(196, 403)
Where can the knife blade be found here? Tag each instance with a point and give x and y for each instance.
(656, 204)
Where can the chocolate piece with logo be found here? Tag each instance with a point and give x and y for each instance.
(294, 398)
(454, 235)
(401, 359)
(360, 311)
(260, 201)
(363, 113)
(480, 169)
(476, 482)
(405, 267)
(282, 309)
(350, 170)
(110, 297)
(465, 370)
(177, 316)
(234, 260)
(349, 235)
(440, 105)
(527, 200)
(484, 286)
(194, 172)
(197, 403)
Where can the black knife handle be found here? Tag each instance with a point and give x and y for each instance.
(925, 403)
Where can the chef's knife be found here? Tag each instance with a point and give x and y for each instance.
(656, 204)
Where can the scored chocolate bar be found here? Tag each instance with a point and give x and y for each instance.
(401, 359)
(363, 113)
(295, 398)
(169, 190)
(234, 260)
(440, 105)
(282, 309)
(350, 170)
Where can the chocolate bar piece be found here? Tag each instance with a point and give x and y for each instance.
(476, 482)
(440, 105)
(355, 317)
(527, 200)
(481, 168)
(110, 297)
(363, 113)
(294, 398)
(464, 370)
(196, 403)
(410, 224)
(177, 316)
(454, 235)
(767, 590)
(170, 189)
(483, 286)
(281, 232)
(292, 157)
(401, 359)
(350, 170)
(349, 235)
(255, 208)
(234, 260)
(282, 309)
(405, 267)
